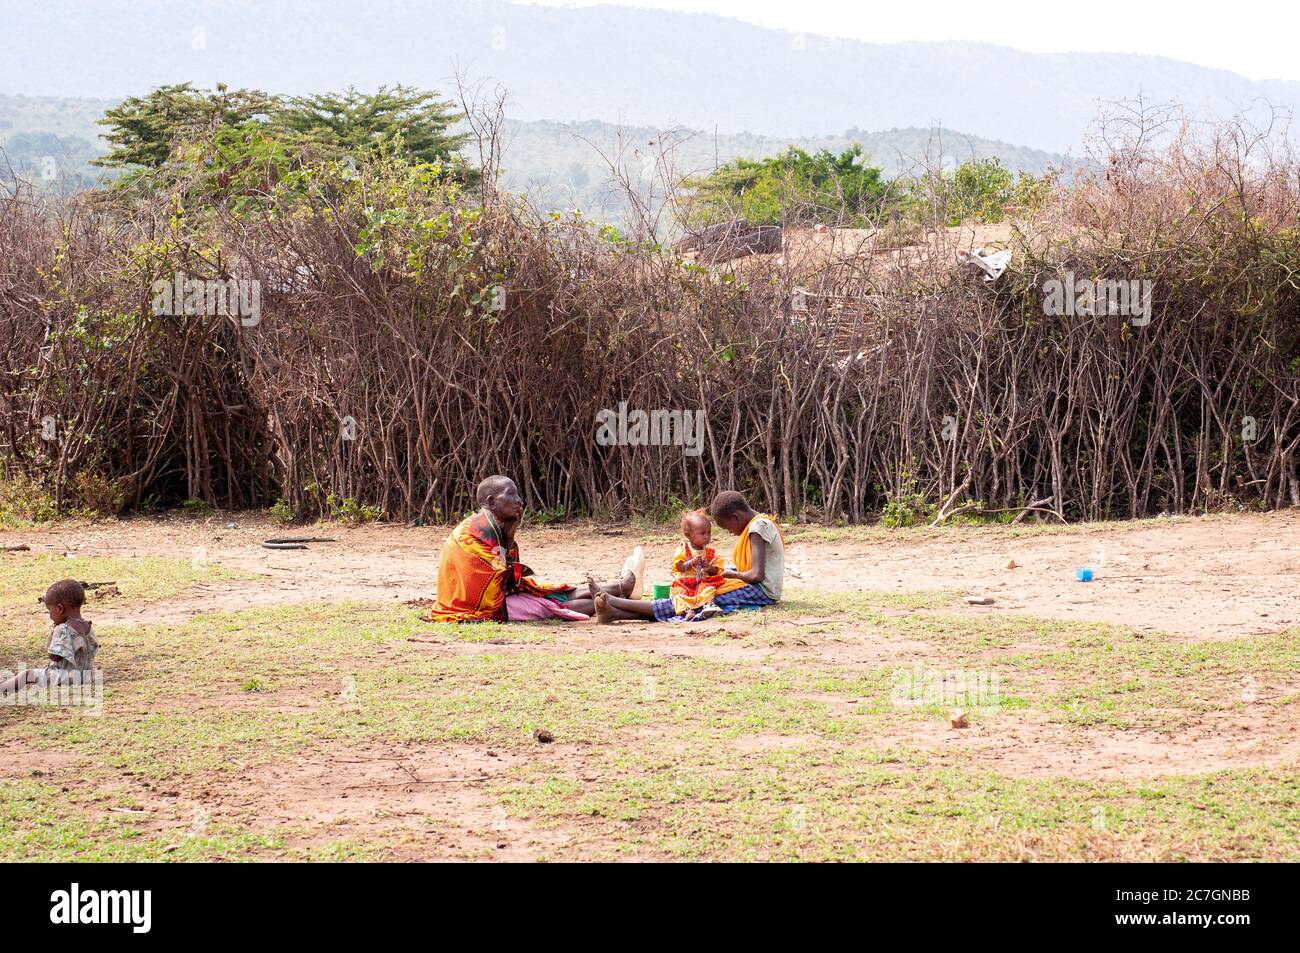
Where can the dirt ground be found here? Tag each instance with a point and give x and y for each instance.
(1195, 580)
(1202, 578)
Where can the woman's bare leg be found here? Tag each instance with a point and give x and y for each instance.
(609, 608)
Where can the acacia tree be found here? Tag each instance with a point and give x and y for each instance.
(145, 129)
(154, 131)
(364, 125)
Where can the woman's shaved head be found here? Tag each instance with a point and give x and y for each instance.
(499, 495)
(491, 487)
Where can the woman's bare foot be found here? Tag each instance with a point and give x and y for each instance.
(603, 613)
(622, 588)
(635, 565)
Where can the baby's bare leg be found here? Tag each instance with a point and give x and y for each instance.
(609, 608)
(26, 677)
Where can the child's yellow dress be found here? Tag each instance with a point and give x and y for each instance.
(694, 589)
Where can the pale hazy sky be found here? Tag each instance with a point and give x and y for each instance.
(1255, 38)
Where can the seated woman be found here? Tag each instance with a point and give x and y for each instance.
(481, 579)
(754, 580)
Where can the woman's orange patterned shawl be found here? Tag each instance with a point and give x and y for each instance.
(477, 572)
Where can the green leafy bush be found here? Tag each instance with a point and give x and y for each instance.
(347, 510)
(909, 509)
(818, 187)
(24, 500)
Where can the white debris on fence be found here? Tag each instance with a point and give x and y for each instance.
(987, 265)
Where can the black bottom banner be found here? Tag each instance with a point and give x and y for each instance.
(1220, 903)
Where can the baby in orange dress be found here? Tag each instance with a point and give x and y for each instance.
(697, 569)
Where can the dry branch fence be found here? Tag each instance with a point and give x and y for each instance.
(465, 335)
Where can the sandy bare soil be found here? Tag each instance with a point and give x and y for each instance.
(1203, 578)
(807, 251)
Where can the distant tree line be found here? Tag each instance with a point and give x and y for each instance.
(846, 189)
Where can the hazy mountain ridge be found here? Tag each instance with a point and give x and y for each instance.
(639, 67)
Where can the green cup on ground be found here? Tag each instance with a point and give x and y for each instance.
(662, 590)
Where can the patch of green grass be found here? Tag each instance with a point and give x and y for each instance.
(864, 804)
(767, 755)
(864, 604)
(1082, 673)
(183, 698)
(42, 822)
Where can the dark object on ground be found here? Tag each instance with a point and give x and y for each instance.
(734, 239)
(295, 542)
(20, 548)
(110, 589)
(544, 736)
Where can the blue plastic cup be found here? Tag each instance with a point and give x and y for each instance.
(1083, 574)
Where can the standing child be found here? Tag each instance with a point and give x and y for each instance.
(72, 645)
(697, 570)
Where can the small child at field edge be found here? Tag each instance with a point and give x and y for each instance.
(72, 645)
